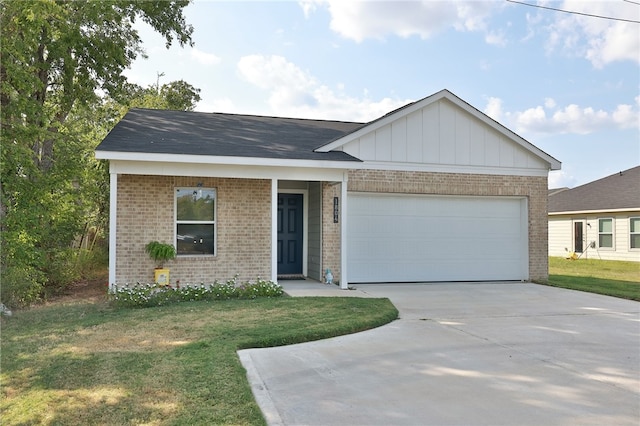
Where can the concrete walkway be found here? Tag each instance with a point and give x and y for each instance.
(461, 354)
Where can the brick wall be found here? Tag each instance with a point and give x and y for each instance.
(146, 212)
(534, 188)
(330, 231)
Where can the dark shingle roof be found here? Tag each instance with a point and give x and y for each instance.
(199, 133)
(618, 191)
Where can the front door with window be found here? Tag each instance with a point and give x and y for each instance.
(290, 232)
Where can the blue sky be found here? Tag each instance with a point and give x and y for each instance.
(569, 84)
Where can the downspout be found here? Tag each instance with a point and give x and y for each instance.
(113, 230)
(344, 283)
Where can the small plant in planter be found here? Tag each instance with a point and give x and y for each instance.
(160, 253)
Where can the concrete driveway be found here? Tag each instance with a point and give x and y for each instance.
(462, 354)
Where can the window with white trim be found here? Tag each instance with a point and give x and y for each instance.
(195, 221)
(605, 233)
(634, 232)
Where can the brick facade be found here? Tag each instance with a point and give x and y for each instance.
(330, 231)
(533, 188)
(145, 210)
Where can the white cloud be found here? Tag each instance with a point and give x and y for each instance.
(617, 43)
(203, 57)
(225, 105)
(570, 119)
(533, 22)
(561, 179)
(626, 117)
(294, 92)
(532, 118)
(274, 71)
(600, 41)
(359, 20)
(574, 119)
(308, 6)
(494, 108)
(495, 38)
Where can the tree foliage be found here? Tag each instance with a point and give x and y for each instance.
(176, 95)
(61, 89)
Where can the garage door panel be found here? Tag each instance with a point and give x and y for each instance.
(468, 271)
(398, 238)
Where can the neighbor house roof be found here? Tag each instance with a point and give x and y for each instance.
(150, 131)
(619, 191)
(554, 191)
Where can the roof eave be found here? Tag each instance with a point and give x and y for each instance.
(224, 160)
(576, 212)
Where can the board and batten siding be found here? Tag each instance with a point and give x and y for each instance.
(561, 236)
(443, 134)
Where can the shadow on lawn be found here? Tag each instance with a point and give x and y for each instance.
(114, 388)
(88, 363)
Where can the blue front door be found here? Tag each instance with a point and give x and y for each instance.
(290, 234)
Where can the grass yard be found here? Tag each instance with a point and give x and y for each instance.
(88, 363)
(608, 277)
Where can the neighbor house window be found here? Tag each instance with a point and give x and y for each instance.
(605, 233)
(634, 232)
(195, 221)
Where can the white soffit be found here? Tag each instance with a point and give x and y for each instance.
(226, 170)
(630, 210)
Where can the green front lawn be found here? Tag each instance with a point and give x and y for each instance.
(608, 277)
(89, 363)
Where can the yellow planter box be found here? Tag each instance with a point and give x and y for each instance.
(162, 276)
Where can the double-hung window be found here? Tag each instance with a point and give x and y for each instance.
(196, 221)
(605, 233)
(634, 232)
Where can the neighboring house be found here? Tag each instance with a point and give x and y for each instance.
(598, 220)
(433, 191)
(556, 190)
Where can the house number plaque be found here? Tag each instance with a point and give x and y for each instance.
(335, 209)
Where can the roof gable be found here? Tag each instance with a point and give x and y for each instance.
(616, 192)
(149, 131)
(441, 129)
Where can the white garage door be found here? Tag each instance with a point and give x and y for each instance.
(401, 238)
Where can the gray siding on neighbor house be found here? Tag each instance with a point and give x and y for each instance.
(314, 263)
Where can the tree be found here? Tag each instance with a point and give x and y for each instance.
(176, 95)
(58, 59)
(94, 123)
